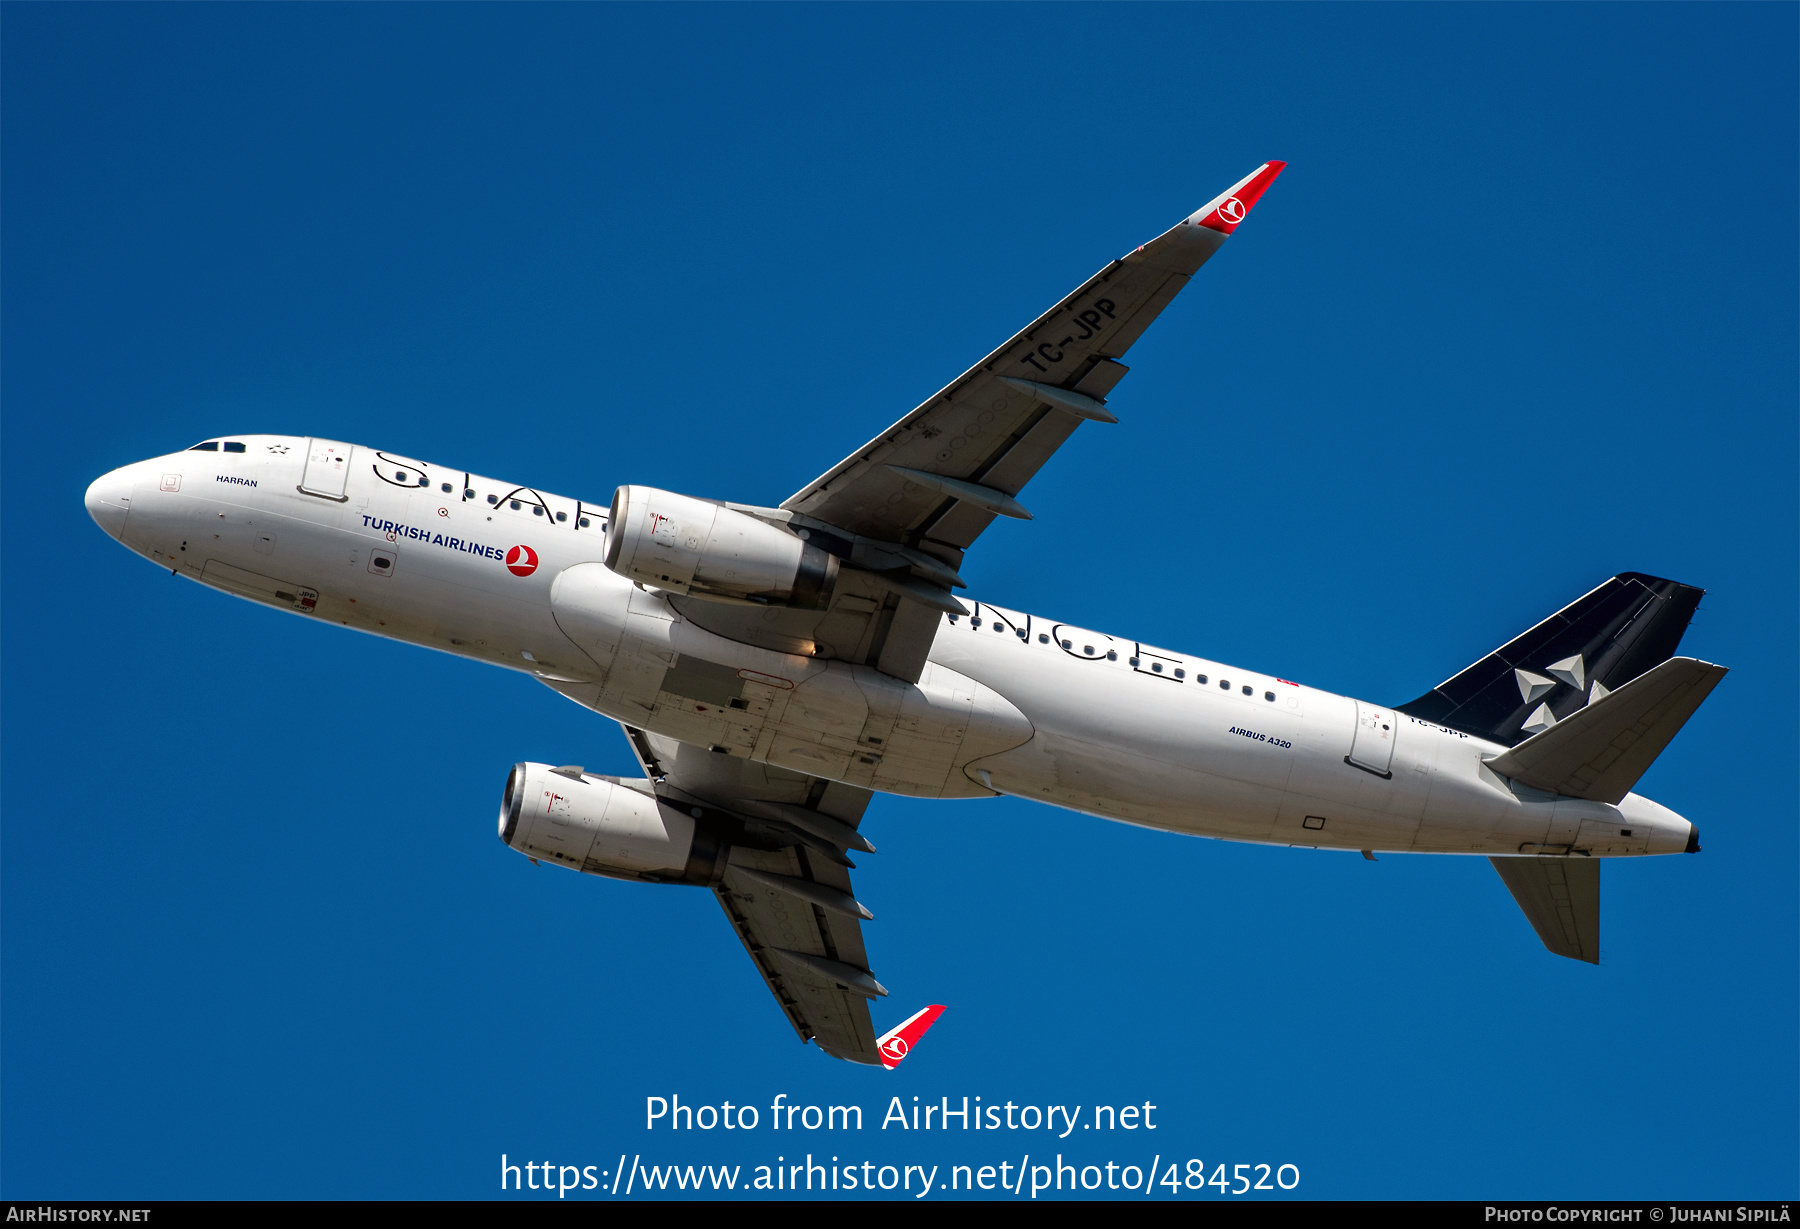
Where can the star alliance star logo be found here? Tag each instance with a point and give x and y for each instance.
(1532, 685)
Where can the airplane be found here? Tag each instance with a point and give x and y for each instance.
(775, 668)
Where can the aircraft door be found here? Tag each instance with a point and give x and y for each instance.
(327, 469)
(1373, 745)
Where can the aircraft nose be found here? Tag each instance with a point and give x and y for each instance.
(109, 501)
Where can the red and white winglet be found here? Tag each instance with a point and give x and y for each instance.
(1232, 205)
(897, 1043)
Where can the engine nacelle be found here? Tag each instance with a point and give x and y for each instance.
(686, 545)
(596, 825)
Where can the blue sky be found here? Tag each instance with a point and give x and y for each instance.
(1520, 315)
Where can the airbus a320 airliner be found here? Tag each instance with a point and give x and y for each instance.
(773, 668)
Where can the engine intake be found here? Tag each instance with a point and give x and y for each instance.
(598, 826)
(687, 545)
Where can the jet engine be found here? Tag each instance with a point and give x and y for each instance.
(599, 826)
(687, 545)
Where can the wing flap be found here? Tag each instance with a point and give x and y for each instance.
(1561, 899)
(1600, 751)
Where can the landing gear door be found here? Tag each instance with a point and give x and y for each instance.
(327, 469)
(1373, 746)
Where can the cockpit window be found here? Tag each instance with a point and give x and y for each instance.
(233, 446)
(208, 446)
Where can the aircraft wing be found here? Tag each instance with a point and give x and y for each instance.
(790, 902)
(935, 479)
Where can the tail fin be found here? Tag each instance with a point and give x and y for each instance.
(1597, 644)
(897, 1042)
(1601, 750)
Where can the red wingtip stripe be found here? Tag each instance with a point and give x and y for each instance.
(1232, 205)
(897, 1043)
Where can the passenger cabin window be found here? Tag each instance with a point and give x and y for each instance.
(1269, 696)
(1156, 666)
(562, 516)
(1181, 674)
(208, 446)
(1043, 638)
(1249, 690)
(233, 446)
(493, 499)
(1112, 655)
(445, 488)
(1200, 679)
(1224, 684)
(583, 522)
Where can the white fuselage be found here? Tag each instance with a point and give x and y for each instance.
(1009, 703)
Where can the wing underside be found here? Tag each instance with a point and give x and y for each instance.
(995, 425)
(776, 926)
(790, 902)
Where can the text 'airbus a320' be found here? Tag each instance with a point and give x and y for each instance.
(773, 668)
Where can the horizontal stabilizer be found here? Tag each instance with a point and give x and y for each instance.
(1599, 751)
(1561, 900)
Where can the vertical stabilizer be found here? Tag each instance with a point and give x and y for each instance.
(1589, 648)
